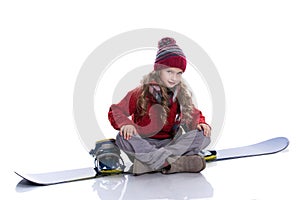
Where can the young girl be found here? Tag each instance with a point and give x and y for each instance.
(159, 109)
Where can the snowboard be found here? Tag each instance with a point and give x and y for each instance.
(270, 146)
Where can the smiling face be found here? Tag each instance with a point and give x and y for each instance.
(171, 76)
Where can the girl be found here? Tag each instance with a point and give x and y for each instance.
(159, 109)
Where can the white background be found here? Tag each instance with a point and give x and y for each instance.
(255, 46)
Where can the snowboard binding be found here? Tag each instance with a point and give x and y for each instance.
(107, 157)
(209, 155)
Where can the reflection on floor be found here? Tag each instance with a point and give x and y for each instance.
(147, 186)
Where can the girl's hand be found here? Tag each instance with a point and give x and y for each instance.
(127, 131)
(205, 128)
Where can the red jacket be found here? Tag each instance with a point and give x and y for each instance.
(149, 125)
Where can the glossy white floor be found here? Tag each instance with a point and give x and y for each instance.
(265, 177)
(254, 45)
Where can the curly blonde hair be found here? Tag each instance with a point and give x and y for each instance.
(184, 97)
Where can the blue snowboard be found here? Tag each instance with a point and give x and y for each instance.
(263, 148)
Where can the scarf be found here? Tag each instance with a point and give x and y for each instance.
(155, 90)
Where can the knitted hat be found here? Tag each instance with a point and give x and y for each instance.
(169, 55)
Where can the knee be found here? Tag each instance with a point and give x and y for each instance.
(203, 140)
(120, 141)
(123, 144)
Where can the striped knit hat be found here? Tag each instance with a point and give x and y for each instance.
(169, 55)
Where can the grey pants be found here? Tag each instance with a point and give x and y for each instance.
(154, 152)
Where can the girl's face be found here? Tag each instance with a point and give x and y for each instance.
(171, 76)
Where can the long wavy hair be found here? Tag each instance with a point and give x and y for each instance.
(184, 97)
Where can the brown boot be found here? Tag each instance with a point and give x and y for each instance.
(193, 163)
(140, 168)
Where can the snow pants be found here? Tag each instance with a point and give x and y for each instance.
(154, 152)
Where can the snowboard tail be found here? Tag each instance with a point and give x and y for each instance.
(59, 176)
(270, 146)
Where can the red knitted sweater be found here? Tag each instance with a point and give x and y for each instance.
(149, 125)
